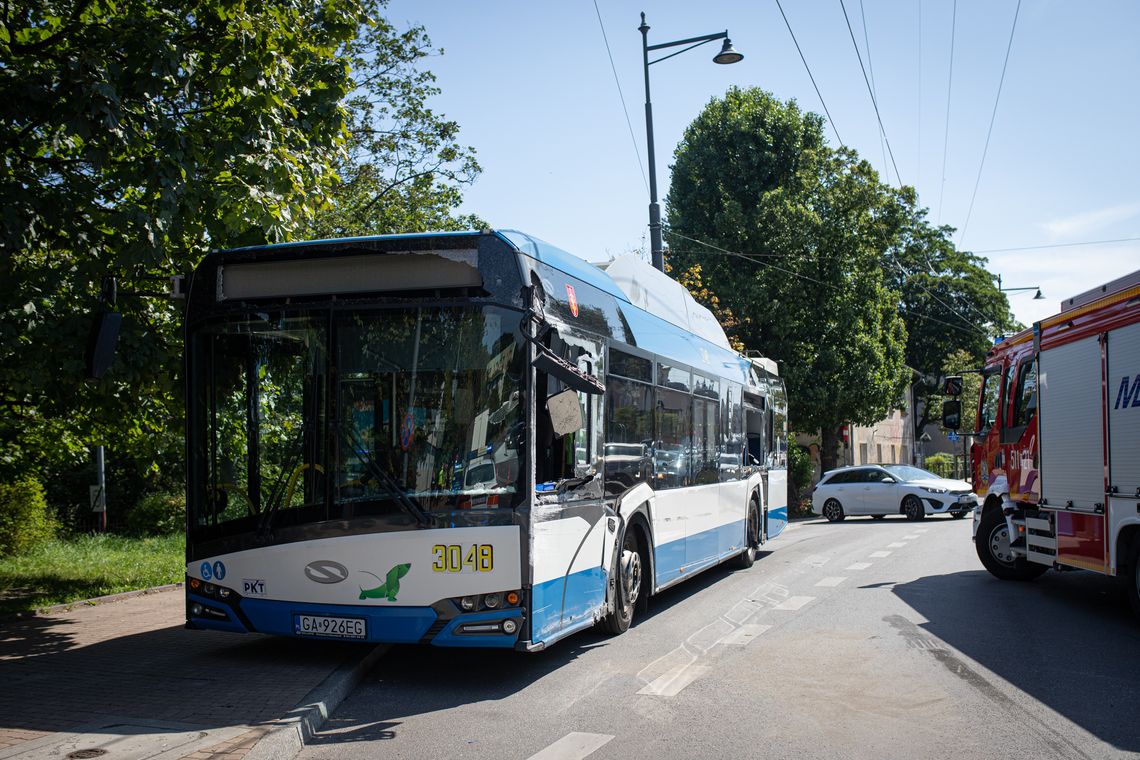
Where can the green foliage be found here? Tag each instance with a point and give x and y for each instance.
(801, 472)
(157, 514)
(403, 168)
(137, 135)
(753, 175)
(25, 522)
(88, 566)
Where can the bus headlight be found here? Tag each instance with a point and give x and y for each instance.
(469, 603)
(492, 601)
(510, 626)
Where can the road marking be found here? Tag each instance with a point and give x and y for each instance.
(832, 582)
(896, 545)
(744, 635)
(670, 684)
(741, 611)
(880, 554)
(711, 635)
(816, 560)
(859, 566)
(573, 746)
(911, 537)
(794, 603)
(921, 530)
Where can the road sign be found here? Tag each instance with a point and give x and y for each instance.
(953, 437)
(98, 498)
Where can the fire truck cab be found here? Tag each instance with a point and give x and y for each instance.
(1059, 412)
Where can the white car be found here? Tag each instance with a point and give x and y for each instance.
(890, 489)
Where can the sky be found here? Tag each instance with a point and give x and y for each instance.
(533, 89)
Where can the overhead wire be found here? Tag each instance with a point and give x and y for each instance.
(819, 94)
(946, 131)
(1057, 245)
(967, 326)
(989, 132)
(871, 66)
(870, 91)
(625, 110)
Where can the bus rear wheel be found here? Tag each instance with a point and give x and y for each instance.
(747, 558)
(629, 585)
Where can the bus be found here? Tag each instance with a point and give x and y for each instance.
(462, 439)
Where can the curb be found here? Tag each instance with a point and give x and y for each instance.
(69, 606)
(289, 736)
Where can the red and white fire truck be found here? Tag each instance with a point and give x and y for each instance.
(1059, 412)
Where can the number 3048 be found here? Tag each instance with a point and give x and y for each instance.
(456, 558)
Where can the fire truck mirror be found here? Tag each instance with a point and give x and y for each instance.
(952, 386)
(952, 414)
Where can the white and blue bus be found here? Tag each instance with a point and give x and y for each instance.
(462, 439)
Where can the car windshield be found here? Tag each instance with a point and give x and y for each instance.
(907, 473)
(309, 416)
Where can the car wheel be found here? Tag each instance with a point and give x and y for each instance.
(833, 510)
(912, 507)
(992, 545)
(877, 517)
(752, 538)
(629, 585)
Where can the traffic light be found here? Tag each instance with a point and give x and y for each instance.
(952, 385)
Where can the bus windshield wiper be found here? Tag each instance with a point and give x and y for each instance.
(277, 494)
(386, 482)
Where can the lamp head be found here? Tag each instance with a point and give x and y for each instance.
(727, 54)
(1039, 297)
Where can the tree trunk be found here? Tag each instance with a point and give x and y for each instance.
(828, 449)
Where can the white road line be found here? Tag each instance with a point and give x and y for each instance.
(670, 684)
(859, 566)
(880, 554)
(711, 635)
(741, 611)
(921, 530)
(911, 537)
(896, 545)
(794, 603)
(573, 746)
(831, 582)
(744, 635)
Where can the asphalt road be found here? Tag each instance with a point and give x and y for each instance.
(860, 639)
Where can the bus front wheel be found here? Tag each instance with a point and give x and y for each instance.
(746, 558)
(629, 585)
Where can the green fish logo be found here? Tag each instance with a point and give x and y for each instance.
(391, 585)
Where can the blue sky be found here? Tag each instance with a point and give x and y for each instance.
(532, 88)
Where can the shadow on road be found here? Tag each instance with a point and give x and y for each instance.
(1067, 640)
(53, 680)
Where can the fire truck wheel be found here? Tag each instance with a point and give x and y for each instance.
(992, 545)
(1134, 572)
(833, 510)
(912, 507)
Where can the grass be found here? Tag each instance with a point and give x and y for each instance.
(74, 569)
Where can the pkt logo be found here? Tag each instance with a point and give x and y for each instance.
(325, 571)
(253, 587)
(1128, 396)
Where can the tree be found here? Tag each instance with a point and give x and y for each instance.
(403, 169)
(950, 304)
(753, 176)
(137, 135)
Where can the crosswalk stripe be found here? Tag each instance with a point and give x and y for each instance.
(573, 746)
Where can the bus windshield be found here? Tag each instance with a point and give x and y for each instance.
(310, 416)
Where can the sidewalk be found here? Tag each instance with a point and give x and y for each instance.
(125, 677)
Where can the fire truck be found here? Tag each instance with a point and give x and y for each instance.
(1059, 414)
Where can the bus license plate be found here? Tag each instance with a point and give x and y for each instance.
(333, 627)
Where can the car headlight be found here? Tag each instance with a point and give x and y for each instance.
(933, 490)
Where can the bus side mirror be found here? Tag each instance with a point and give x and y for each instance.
(952, 414)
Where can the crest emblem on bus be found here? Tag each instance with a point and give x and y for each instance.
(325, 571)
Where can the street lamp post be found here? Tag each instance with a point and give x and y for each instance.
(726, 55)
(1037, 297)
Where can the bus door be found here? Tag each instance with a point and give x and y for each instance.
(571, 537)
